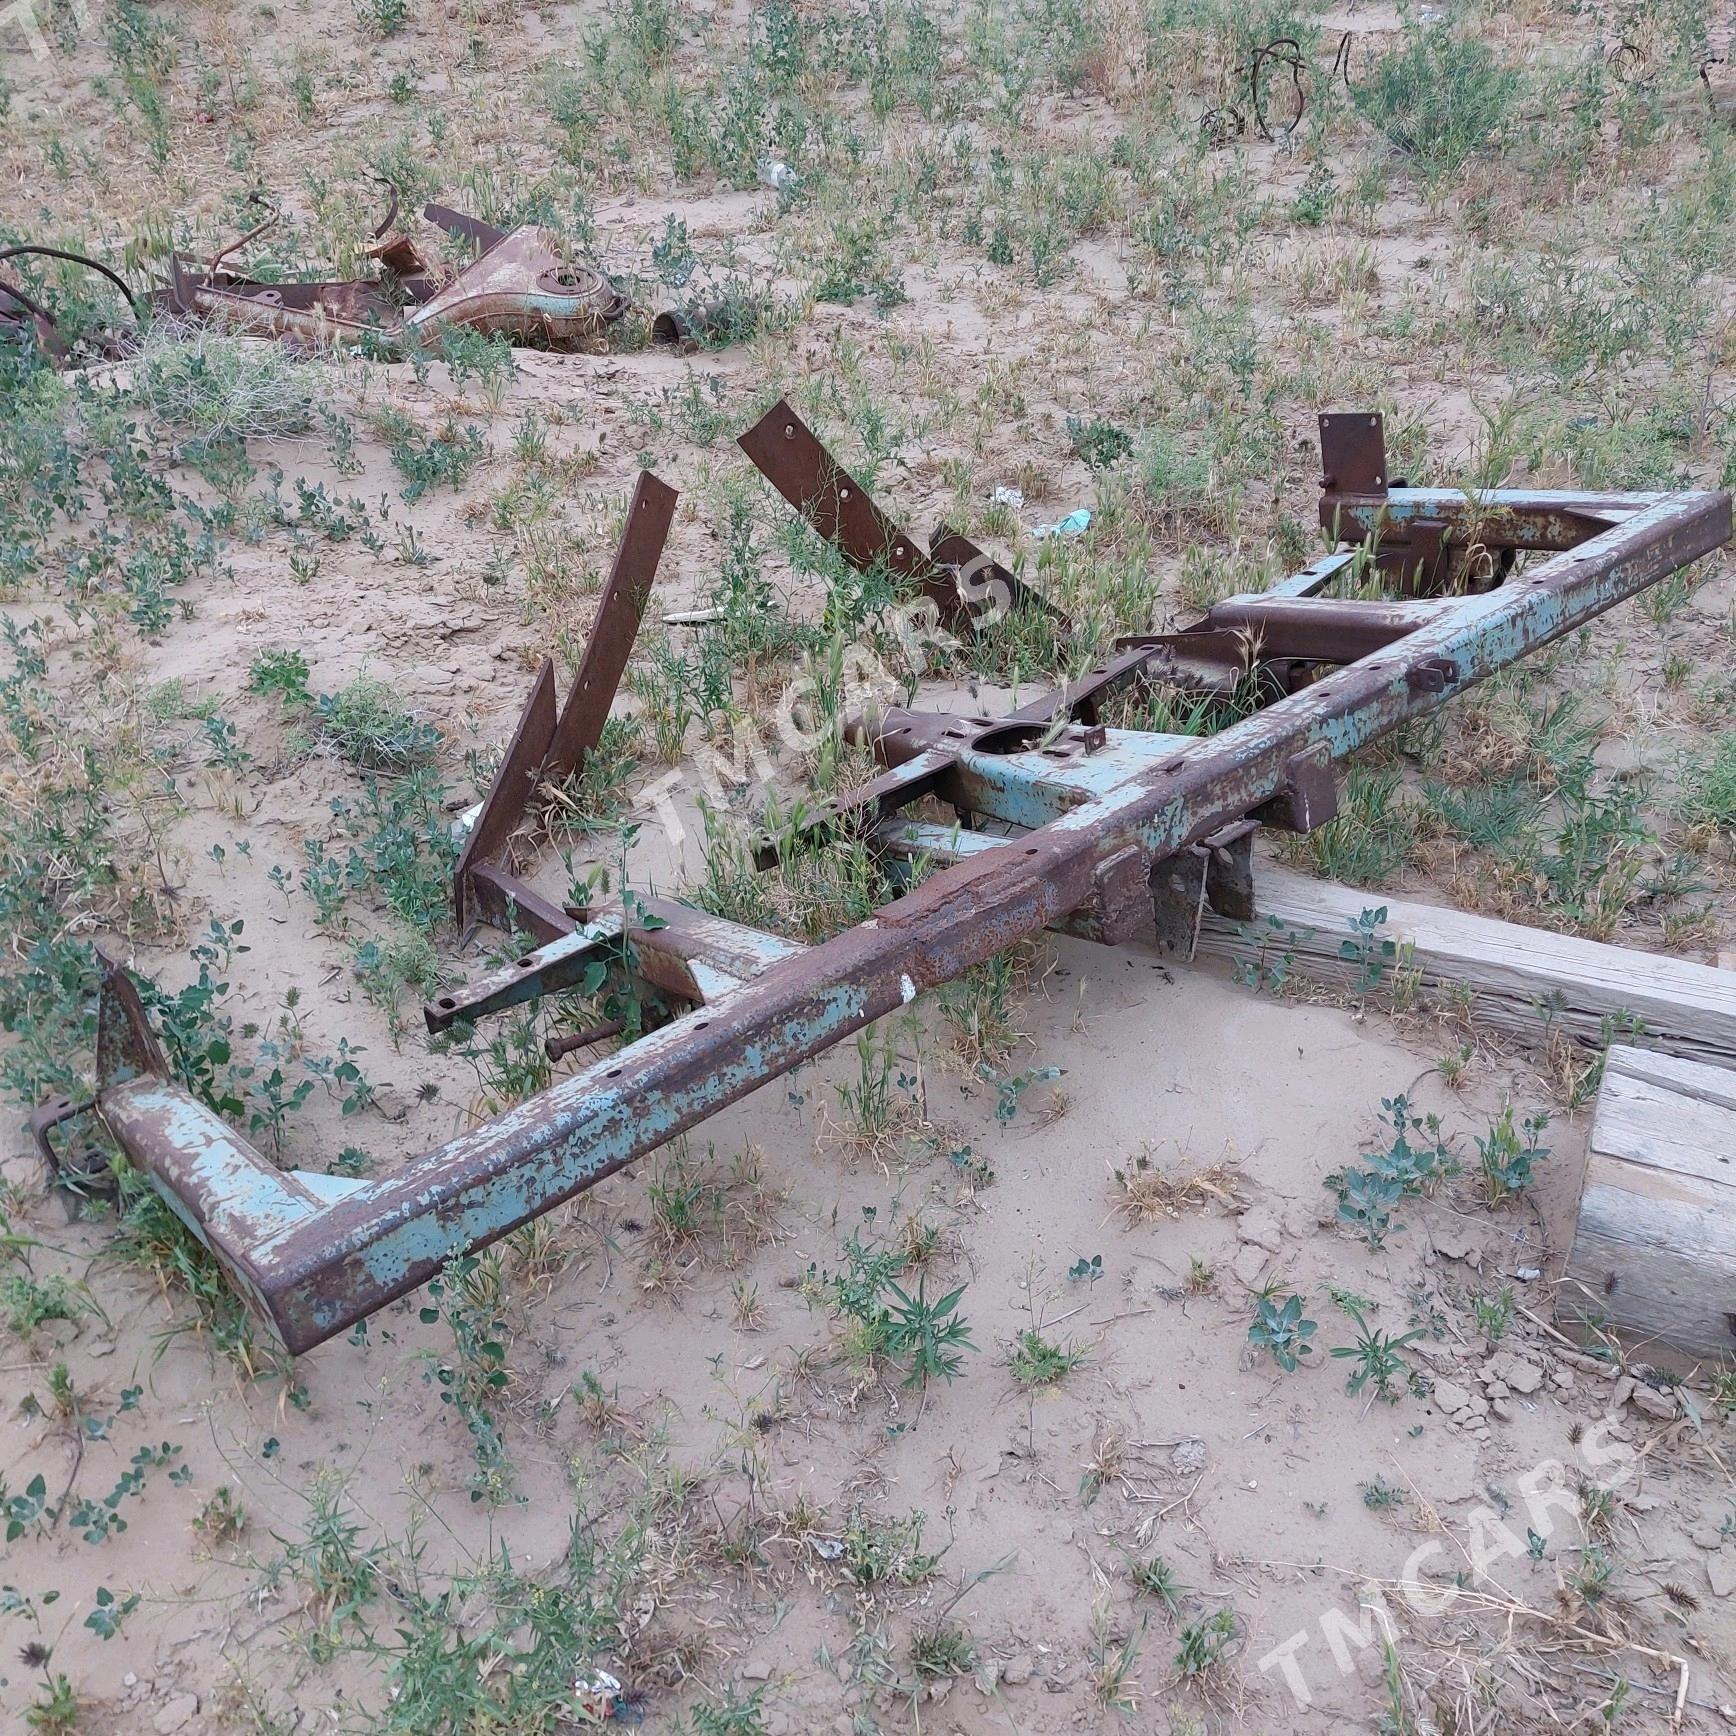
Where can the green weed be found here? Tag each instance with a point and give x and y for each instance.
(1280, 1328)
(1438, 97)
(1036, 1361)
(1508, 1154)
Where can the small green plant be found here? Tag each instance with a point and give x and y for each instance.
(1375, 1354)
(97, 1521)
(110, 1612)
(442, 459)
(368, 725)
(1708, 786)
(1723, 1389)
(1417, 1157)
(474, 1377)
(1415, 1162)
(1592, 1578)
(1156, 1578)
(27, 1511)
(978, 1008)
(281, 673)
(940, 1651)
(1372, 836)
(1437, 97)
(340, 1572)
(886, 1551)
(62, 1398)
(1596, 1509)
(871, 1105)
(1366, 1201)
(931, 1334)
(1367, 951)
(1273, 945)
(1494, 1313)
(1101, 444)
(1313, 202)
(1509, 1153)
(221, 1520)
(1010, 1088)
(886, 1321)
(732, 1714)
(218, 390)
(1035, 1361)
(274, 1100)
(1201, 1645)
(402, 847)
(28, 1303)
(1380, 1496)
(1280, 1328)
(57, 1711)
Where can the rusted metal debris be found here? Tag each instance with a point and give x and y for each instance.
(1060, 822)
(548, 747)
(1227, 120)
(522, 287)
(19, 308)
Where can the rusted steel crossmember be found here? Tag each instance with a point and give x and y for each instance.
(316, 1253)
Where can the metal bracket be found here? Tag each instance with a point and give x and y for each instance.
(1353, 453)
(547, 746)
(1307, 795)
(956, 576)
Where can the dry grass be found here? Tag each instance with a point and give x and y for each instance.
(1145, 1192)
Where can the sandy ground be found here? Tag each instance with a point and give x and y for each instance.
(1249, 1482)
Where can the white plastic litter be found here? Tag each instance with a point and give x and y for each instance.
(776, 174)
(595, 1695)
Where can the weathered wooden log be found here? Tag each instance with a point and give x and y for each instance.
(1511, 977)
(1654, 1252)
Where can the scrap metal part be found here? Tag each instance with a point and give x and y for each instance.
(1061, 821)
(955, 575)
(18, 305)
(547, 746)
(522, 287)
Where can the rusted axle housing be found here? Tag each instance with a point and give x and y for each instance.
(1113, 834)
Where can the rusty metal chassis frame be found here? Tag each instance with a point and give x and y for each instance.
(1109, 833)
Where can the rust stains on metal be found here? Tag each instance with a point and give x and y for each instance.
(549, 746)
(523, 288)
(620, 609)
(961, 582)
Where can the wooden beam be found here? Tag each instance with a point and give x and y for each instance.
(1514, 978)
(1654, 1251)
